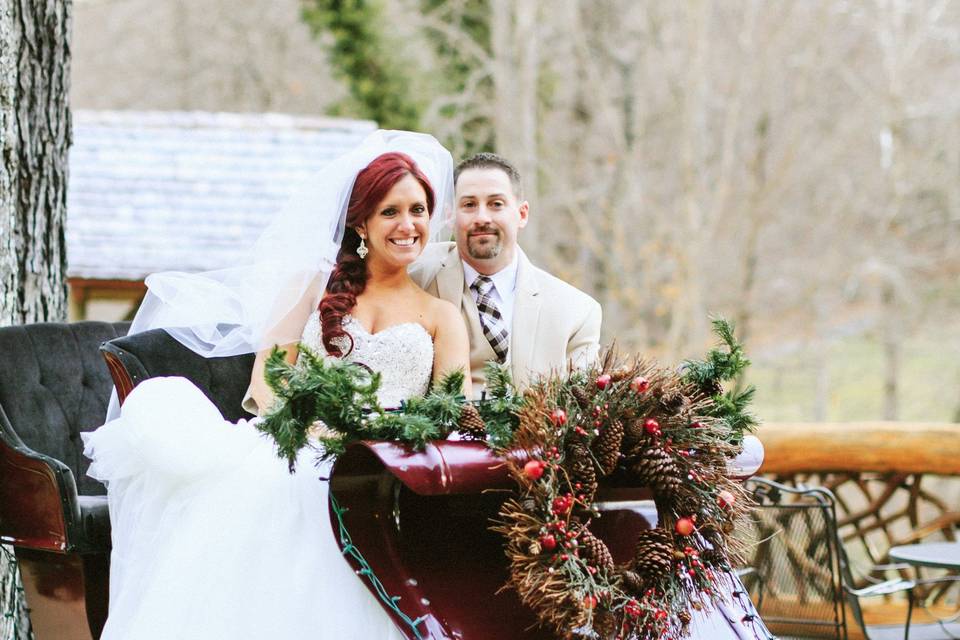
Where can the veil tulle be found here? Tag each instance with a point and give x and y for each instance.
(266, 300)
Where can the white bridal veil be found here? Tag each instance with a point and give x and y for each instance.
(266, 300)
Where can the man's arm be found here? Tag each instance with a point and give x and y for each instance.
(424, 270)
(584, 345)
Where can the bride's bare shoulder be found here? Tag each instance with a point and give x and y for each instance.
(439, 314)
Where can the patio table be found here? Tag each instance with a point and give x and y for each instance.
(938, 555)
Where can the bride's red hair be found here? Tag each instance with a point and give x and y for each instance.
(349, 277)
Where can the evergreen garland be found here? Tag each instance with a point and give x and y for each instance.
(339, 400)
(500, 405)
(723, 365)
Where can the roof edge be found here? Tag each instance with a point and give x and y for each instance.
(216, 120)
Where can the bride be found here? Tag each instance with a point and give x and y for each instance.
(212, 537)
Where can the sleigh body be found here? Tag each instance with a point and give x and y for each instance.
(421, 520)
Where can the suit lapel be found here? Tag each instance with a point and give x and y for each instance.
(450, 279)
(526, 318)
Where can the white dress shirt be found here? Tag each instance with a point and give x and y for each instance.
(504, 290)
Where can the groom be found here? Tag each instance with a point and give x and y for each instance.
(515, 312)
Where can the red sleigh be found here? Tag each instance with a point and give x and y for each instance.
(421, 520)
(414, 524)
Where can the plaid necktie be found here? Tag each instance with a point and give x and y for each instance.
(490, 318)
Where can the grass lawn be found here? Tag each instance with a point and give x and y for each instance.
(929, 380)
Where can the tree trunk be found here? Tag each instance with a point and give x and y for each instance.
(892, 338)
(516, 63)
(34, 137)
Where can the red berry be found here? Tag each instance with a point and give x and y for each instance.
(696, 425)
(558, 417)
(603, 381)
(548, 541)
(589, 602)
(660, 615)
(651, 426)
(684, 526)
(534, 469)
(562, 504)
(639, 384)
(726, 499)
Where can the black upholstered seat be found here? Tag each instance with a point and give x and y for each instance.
(155, 353)
(54, 386)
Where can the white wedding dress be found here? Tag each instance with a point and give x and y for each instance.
(213, 538)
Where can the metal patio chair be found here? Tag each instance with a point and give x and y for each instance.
(805, 584)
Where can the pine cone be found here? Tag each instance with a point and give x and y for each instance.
(711, 388)
(621, 373)
(672, 401)
(579, 467)
(684, 617)
(653, 557)
(712, 557)
(470, 423)
(607, 446)
(595, 551)
(632, 582)
(635, 434)
(657, 470)
(581, 396)
(605, 624)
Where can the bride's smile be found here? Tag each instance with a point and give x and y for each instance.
(398, 229)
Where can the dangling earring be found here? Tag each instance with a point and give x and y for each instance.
(362, 250)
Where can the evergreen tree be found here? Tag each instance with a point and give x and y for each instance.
(381, 84)
(361, 53)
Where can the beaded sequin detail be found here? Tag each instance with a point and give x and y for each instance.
(402, 354)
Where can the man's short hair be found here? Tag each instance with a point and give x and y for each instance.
(487, 160)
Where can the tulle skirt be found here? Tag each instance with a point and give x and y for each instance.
(213, 538)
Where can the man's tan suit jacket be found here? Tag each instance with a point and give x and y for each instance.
(553, 322)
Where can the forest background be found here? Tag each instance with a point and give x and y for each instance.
(792, 165)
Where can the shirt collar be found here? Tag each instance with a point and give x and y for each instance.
(505, 280)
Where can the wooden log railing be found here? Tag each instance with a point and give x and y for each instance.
(895, 483)
(878, 447)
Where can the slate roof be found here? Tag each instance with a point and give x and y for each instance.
(150, 191)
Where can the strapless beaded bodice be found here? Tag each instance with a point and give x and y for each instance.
(402, 354)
